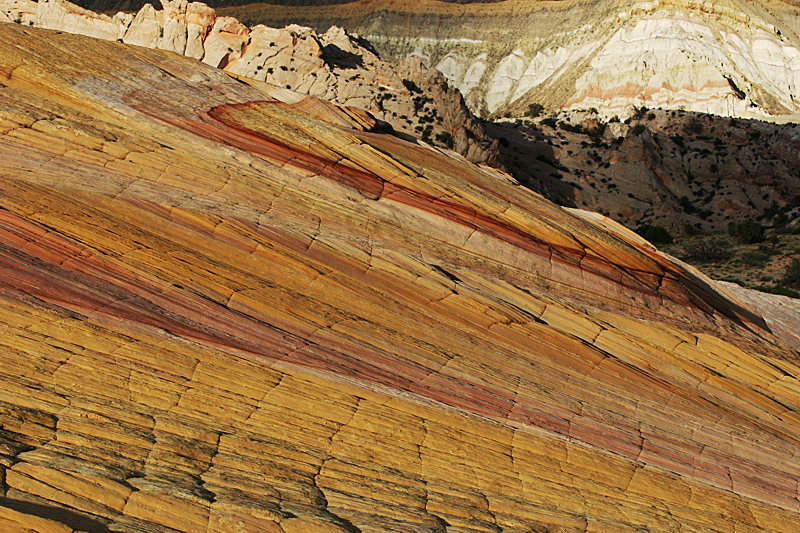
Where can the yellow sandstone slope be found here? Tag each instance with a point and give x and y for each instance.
(225, 308)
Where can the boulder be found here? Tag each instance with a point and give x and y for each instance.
(65, 16)
(146, 29)
(199, 21)
(175, 31)
(225, 42)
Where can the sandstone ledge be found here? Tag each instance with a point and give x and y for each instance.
(221, 310)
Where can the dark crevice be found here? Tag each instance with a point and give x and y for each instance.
(449, 275)
(72, 519)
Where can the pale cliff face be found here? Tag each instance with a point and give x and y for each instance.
(668, 58)
(730, 58)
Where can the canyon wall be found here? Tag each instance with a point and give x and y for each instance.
(730, 58)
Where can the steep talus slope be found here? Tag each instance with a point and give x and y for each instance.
(732, 58)
(229, 308)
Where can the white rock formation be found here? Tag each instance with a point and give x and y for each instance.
(20, 11)
(765, 60)
(199, 20)
(453, 66)
(732, 59)
(505, 78)
(146, 28)
(550, 63)
(668, 60)
(174, 34)
(225, 42)
(463, 73)
(65, 16)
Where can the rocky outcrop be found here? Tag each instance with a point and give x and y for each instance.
(226, 306)
(20, 11)
(735, 58)
(199, 21)
(64, 16)
(335, 66)
(146, 28)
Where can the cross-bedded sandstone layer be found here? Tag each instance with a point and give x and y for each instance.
(227, 309)
(333, 65)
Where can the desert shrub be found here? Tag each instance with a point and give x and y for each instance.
(687, 205)
(774, 241)
(778, 289)
(689, 230)
(445, 138)
(747, 231)
(639, 129)
(694, 126)
(792, 275)
(534, 110)
(756, 259)
(707, 251)
(678, 139)
(655, 234)
(772, 210)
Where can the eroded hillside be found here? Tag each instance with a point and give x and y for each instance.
(731, 58)
(664, 168)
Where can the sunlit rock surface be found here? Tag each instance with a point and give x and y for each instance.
(737, 58)
(228, 307)
(333, 65)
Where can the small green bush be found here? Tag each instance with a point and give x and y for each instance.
(772, 210)
(550, 121)
(694, 126)
(708, 251)
(534, 110)
(655, 234)
(792, 275)
(747, 231)
(755, 259)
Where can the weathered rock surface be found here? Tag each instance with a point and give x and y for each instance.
(334, 66)
(58, 15)
(781, 313)
(735, 58)
(227, 307)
